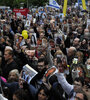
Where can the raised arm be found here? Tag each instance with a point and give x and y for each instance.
(65, 85)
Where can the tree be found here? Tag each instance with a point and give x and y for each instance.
(17, 3)
(12, 3)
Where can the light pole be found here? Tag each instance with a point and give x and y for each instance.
(21, 5)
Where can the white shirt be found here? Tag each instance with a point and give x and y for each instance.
(65, 85)
(2, 97)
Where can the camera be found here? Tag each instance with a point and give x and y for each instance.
(75, 60)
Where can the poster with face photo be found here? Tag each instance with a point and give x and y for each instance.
(44, 42)
(33, 39)
(58, 38)
(28, 73)
(27, 24)
(29, 17)
(51, 71)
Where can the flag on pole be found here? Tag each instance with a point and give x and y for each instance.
(84, 4)
(65, 7)
(53, 4)
(79, 2)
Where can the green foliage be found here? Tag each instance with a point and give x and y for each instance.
(17, 3)
(38, 2)
(12, 3)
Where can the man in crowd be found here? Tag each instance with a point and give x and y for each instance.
(9, 63)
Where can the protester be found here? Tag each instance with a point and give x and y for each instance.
(44, 39)
(13, 76)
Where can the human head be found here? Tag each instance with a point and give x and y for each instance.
(78, 83)
(44, 42)
(43, 93)
(58, 53)
(71, 51)
(13, 75)
(76, 42)
(73, 27)
(59, 61)
(30, 53)
(19, 29)
(86, 33)
(51, 42)
(8, 48)
(57, 47)
(41, 34)
(41, 64)
(20, 38)
(8, 28)
(55, 61)
(84, 41)
(80, 95)
(80, 80)
(80, 30)
(20, 94)
(8, 55)
(88, 61)
(80, 55)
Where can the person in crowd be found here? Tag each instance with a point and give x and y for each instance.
(76, 43)
(81, 95)
(70, 56)
(9, 33)
(32, 60)
(84, 45)
(9, 63)
(71, 90)
(69, 52)
(80, 56)
(43, 93)
(39, 41)
(13, 76)
(86, 34)
(14, 86)
(87, 70)
(20, 94)
(41, 68)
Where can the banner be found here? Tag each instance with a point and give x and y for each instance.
(23, 12)
(65, 7)
(84, 4)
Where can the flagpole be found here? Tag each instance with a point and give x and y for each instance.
(65, 7)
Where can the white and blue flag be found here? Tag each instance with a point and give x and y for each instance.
(54, 4)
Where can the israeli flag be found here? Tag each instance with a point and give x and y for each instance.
(53, 4)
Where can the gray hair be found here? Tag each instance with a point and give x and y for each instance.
(87, 60)
(15, 71)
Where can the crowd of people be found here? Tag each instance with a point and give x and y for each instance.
(51, 41)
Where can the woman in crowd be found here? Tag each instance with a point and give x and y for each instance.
(43, 93)
(20, 94)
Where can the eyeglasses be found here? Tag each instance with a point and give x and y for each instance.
(40, 65)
